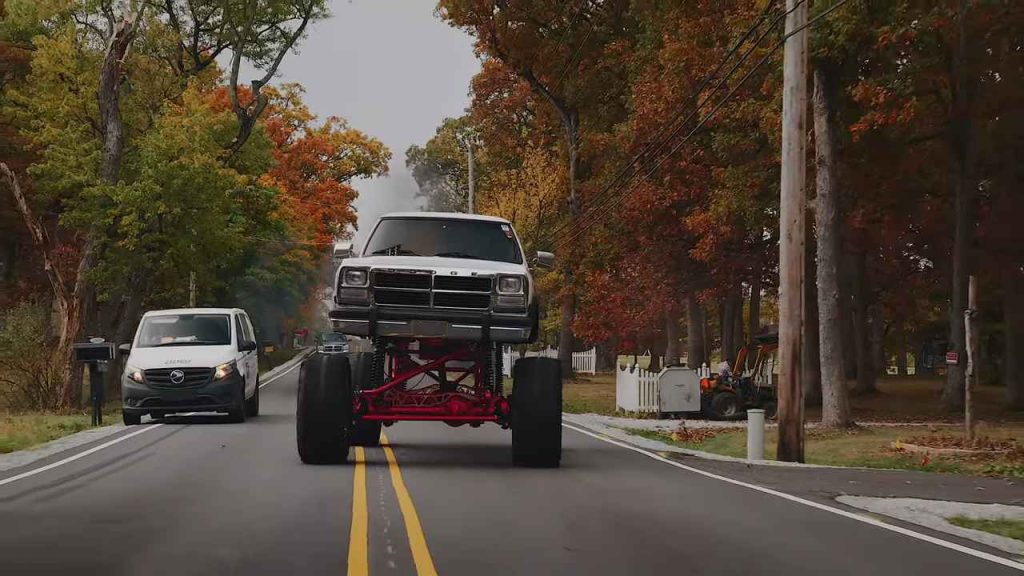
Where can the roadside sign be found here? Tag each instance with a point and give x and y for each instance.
(952, 358)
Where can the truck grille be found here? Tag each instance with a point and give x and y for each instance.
(161, 377)
(425, 290)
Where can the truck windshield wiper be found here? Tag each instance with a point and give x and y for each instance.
(395, 250)
(458, 255)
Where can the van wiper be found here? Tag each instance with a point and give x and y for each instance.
(458, 255)
(395, 250)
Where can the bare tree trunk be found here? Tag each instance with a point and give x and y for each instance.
(961, 167)
(901, 351)
(696, 353)
(1013, 319)
(566, 341)
(737, 317)
(862, 328)
(671, 338)
(810, 362)
(878, 358)
(725, 321)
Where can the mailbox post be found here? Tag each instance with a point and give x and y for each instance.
(97, 354)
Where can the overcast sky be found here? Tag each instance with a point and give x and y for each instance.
(394, 71)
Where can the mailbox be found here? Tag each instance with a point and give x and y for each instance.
(94, 351)
(679, 390)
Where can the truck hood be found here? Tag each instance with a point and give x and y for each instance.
(446, 266)
(180, 356)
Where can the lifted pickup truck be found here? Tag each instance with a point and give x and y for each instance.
(438, 295)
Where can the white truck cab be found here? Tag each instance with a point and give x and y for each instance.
(191, 360)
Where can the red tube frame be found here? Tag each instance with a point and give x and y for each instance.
(459, 405)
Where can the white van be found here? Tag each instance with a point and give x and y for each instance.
(191, 360)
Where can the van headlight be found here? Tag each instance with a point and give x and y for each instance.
(133, 374)
(224, 370)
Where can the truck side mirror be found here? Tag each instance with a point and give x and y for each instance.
(544, 260)
(344, 250)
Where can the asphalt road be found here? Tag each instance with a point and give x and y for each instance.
(196, 496)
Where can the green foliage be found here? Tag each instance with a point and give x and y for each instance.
(28, 374)
(999, 526)
(441, 167)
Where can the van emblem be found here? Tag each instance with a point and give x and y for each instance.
(177, 376)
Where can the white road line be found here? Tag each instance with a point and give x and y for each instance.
(117, 440)
(865, 519)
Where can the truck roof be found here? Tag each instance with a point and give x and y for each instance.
(175, 311)
(446, 215)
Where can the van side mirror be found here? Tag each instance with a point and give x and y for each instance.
(247, 346)
(544, 260)
(125, 348)
(344, 250)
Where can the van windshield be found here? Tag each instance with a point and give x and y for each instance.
(185, 330)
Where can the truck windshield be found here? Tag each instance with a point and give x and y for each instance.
(185, 330)
(473, 239)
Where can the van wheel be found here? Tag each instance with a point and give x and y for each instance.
(252, 405)
(537, 413)
(364, 432)
(323, 419)
(131, 419)
(237, 414)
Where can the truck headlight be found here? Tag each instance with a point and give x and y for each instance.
(510, 285)
(224, 370)
(133, 374)
(354, 277)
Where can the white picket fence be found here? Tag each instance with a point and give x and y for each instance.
(636, 389)
(582, 362)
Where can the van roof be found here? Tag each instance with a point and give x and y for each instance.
(175, 311)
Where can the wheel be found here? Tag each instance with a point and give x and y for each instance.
(237, 414)
(537, 413)
(771, 409)
(364, 432)
(252, 405)
(323, 418)
(725, 405)
(156, 415)
(131, 418)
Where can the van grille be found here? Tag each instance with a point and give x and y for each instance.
(161, 377)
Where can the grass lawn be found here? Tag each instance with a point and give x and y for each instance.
(21, 431)
(867, 448)
(1004, 527)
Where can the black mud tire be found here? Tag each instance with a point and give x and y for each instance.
(252, 405)
(323, 419)
(131, 418)
(537, 413)
(726, 406)
(364, 432)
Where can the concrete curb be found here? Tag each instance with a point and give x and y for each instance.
(933, 514)
(28, 456)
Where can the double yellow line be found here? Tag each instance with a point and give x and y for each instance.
(359, 537)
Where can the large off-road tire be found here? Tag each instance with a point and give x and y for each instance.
(537, 413)
(726, 406)
(252, 405)
(364, 432)
(323, 420)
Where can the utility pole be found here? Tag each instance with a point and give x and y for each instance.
(472, 173)
(971, 328)
(791, 227)
(192, 289)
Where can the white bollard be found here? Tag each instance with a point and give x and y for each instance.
(755, 434)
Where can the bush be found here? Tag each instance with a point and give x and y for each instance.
(29, 377)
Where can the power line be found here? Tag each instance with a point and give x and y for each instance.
(622, 196)
(658, 142)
